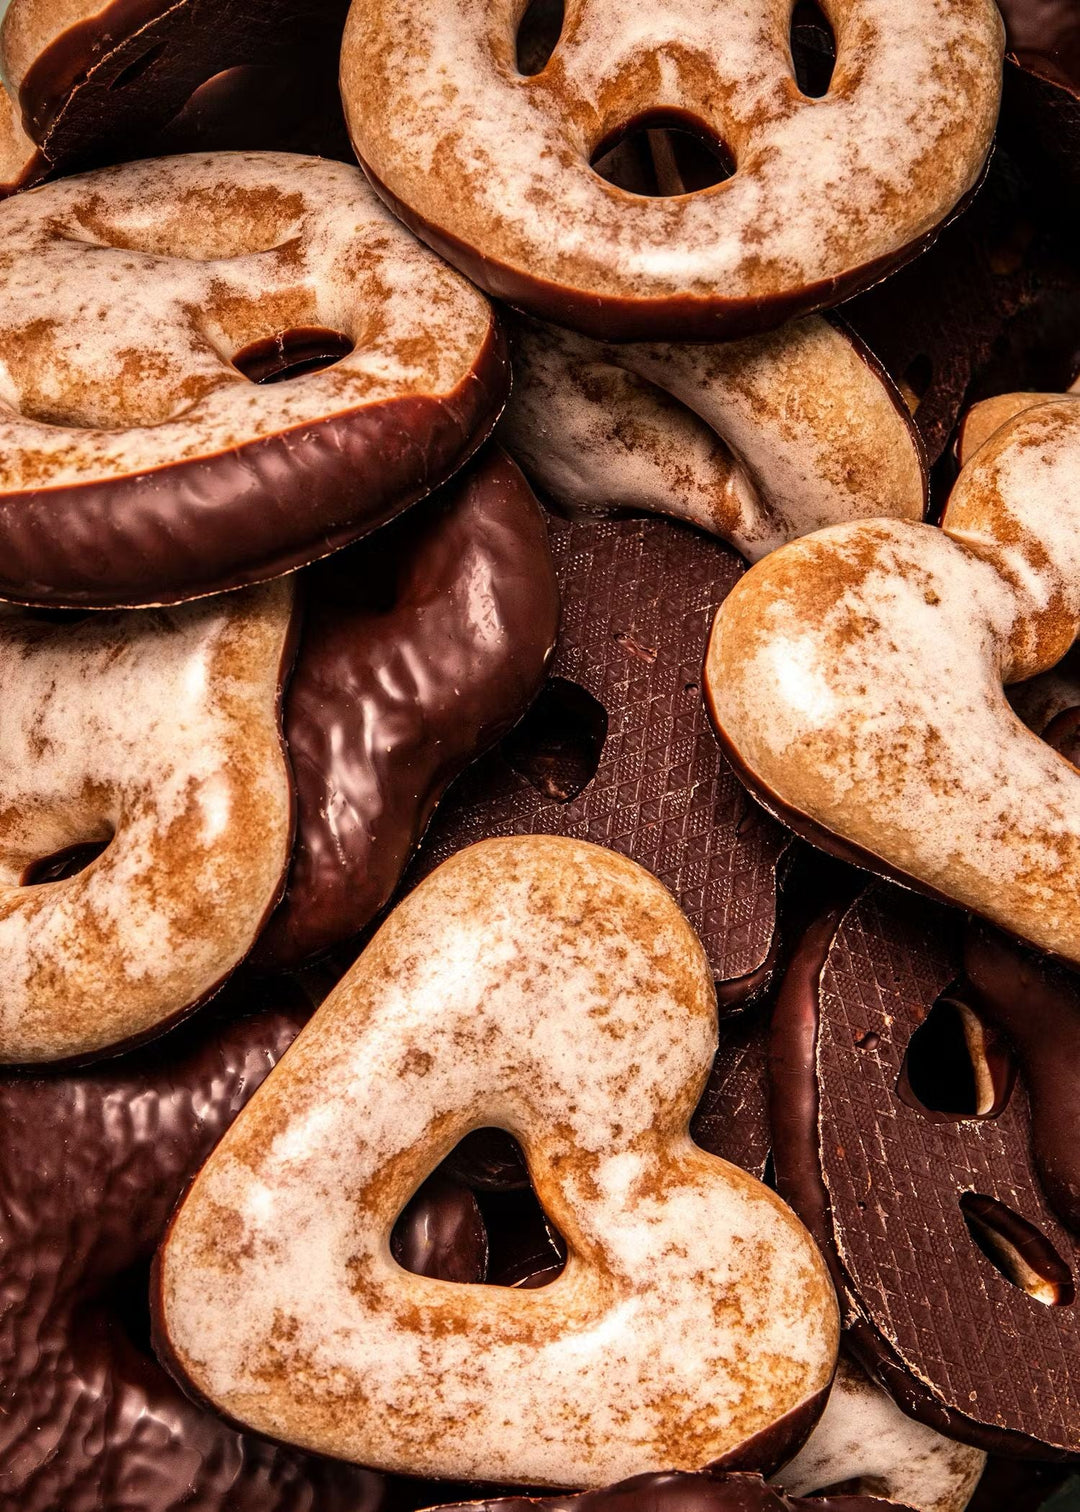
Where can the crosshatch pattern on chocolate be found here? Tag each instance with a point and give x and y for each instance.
(638, 599)
(895, 1178)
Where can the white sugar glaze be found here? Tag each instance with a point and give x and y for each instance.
(857, 675)
(758, 441)
(554, 989)
(125, 294)
(160, 730)
(500, 161)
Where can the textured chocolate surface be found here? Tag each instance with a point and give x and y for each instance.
(669, 1491)
(922, 1300)
(91, 1166)
(421, 647)
(137, 74)
(1044, 36)
(638, 597)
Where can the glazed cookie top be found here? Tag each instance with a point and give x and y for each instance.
(856, 676)
(553, 989)
(145, 815)
(142, 309)
(493, 166)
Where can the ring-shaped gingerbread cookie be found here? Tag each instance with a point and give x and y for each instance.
(493, 166)
(145, 815)
(145, 456)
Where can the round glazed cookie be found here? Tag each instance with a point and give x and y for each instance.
(554, 989)
(144, 310)
(93, 1163)
(145, 814)
(617, 748)
(95, 82)
(904, 1141)
(919, 769)
(420, 648)
(493, 165)
(757, 441)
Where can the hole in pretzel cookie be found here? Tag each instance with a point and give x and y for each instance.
(915, 383)
(291, 354)
(140, 66)
(63, 864)
(538, 34)
(663, 153)
(1063, 733)
(558, 745)
(813, 49)
(1017, 1249)
(955, 1068)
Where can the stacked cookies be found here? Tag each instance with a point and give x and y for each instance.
(472, 616)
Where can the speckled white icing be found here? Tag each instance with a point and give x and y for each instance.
(554, 989)
(857, 674)
(158, 729)
(440, 114)
(758, 441)
(863, 1436)
(125, 293)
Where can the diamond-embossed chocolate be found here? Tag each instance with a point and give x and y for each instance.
(910, 1206)
(638, 598)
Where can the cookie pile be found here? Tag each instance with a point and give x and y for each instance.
(537, 755)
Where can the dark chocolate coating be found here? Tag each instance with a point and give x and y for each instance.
(91, 1165)
(638, 598)
(130, 81)
(441, 1233)
(675, 1491)
(880, 1186)
(1037, 1004)
(1044, 37)
(420, 649)
(218, 522)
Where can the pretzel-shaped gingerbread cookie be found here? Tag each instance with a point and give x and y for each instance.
(145, 815)
(141, 463)
(757, 441)
(555, 989)
(492, 165)
(856, 678)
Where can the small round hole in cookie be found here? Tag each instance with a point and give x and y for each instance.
(813, 49)
(63, 864)
(291, 354)
(662, 154)
(955, 1068)
(1018, 1250)
(538, 35)
(558, 745)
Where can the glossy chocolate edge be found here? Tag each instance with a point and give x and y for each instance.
(136, 1042)
(327, 689)
(794, 1109)
(617, 318)
(209, 524)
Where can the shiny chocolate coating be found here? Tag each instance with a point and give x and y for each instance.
(1044, 36)
(618, 750)
(672, 1491)
(441, 1233)
(421, 648)
(886, 1190)
(142, 77)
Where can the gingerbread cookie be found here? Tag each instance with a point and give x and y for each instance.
(917, 1166)
(856, 679)
(553, 988)
(144, 309)
(810, 198)
(145, 814)
(757, 441)
(420, 648)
